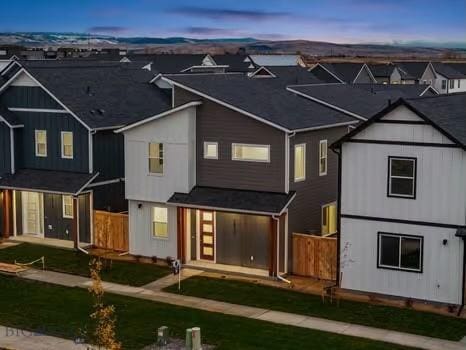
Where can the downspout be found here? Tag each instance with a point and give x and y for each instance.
(464, 278)
(77, 231)
(277, 262)
(338, 152)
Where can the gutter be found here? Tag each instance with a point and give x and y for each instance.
(464, 279)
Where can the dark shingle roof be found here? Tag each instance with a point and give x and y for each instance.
(235, 63)
(381, 70)
(364, 100)
(101, 94)
(230, 199)
(46, 180)
(346, 71)
(170, 63)
(460, 66)
(448, 71)
(293, 75)
(412, 70)
(446, 111)
(266, 98)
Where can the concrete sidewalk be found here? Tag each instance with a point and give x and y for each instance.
(155, 294)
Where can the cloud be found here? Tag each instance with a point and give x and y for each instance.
(228, 14)
(107, 29)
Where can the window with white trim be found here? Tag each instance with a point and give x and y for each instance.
(452, 84)
(300, 162)
(402, 177)
(210, 150)
(159, 222)
(67, 207)
(401, 252)
(41, 143)
(323, 157)
(444, 84)
(250, 153)
(156, 158)
(67, 144)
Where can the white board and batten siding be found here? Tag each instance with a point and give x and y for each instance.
(144, 191)
(440, 199)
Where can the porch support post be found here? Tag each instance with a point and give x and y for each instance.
(273, 248)
(181, 245)
(74, 223)
(7, 213)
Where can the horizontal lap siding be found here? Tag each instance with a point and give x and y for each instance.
(219, 124)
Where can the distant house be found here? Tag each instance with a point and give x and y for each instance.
(276, 60)
(448, 78)
(344, 72)
(417, 72)
(385, 73)
(403, 201)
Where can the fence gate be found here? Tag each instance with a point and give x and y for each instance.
(111, 230)
(315, 256)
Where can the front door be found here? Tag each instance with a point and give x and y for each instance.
(32, 213)
(207, 235)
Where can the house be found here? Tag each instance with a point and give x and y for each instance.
(385, 73)
(275, 60)
(403, 201)
(223, 178)
(448, 79)
(60, 158)
(344, 72)
(285, 75)
(415, 72)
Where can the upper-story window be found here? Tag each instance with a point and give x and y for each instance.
(210, 150)
(67, 144)
(323, 158)
(251, 153)
(400, 252)
(402, 177)
(300, 162)
(41, 143)
(156, 158)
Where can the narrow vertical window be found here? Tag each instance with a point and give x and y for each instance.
(67, 144)
(402, 177)
(155, 158)
(159, 222)
(67, 207)
(300, 162)
(323, 158)
(41, 143)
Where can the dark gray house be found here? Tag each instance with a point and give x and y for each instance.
(60, 158)
(225, 177)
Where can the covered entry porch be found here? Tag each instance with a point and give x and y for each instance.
(233, 230)
(47, 206)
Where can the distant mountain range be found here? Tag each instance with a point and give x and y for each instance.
(220, 45)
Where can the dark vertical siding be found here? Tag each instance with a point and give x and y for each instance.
(220, 124)
(28, 97)
(1, 213)
(108, 149)
(54, 124)
(55, 225)
(110, 197)
(5, 152)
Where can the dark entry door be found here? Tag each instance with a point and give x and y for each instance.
(207, 235)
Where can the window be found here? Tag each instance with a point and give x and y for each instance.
(67, 144)
(67, 207)
(159, 222)
(300, 162)
(323, 157)
(155, 158)
(400, 252)
(459, 83)
(41, 143)
(402, 177)
(329, 219)
(452, 84)
(444, 84)
(210, 150)
(252, 153)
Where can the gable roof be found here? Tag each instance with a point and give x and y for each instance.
(447, 71)
(9, 117)
(359, 100)
(235, 62)
(346, 71)
(412, 70)
(101, 95)
(169, 63)
(275, 60)
(293, 75)
(447, 113)
(381, 69)
(261, 99)
(458, 66)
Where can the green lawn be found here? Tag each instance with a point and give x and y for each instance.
(392, 318)
(76, 262)
(63, 311)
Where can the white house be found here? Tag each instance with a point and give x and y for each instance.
(403, 201)
(448, 80)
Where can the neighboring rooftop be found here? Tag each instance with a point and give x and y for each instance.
(448, 71)
(346, 71)
(275, 60)
(381, 70)
(412, 70)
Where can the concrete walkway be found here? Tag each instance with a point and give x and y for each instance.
(155, 294)
(18, 339)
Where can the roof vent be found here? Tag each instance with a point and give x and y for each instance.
(92, 111)
(101, 111)
(389, 102)
(88, 91)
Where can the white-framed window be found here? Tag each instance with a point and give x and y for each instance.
(323, 157)
(67, 207)
(156, 158)
(250, 152)
(67, 144)
(41, 143)
(444, 84)
(459, 83)
(399, 252)
(300, 162)
(452, 84)
(401, 177)
(159, 222)
(210, 150)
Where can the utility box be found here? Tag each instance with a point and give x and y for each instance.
(162, 336)
(193, 339)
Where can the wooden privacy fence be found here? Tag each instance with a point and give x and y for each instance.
(111, 230)
(315, 256)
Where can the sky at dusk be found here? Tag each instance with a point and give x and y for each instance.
(350, 21)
